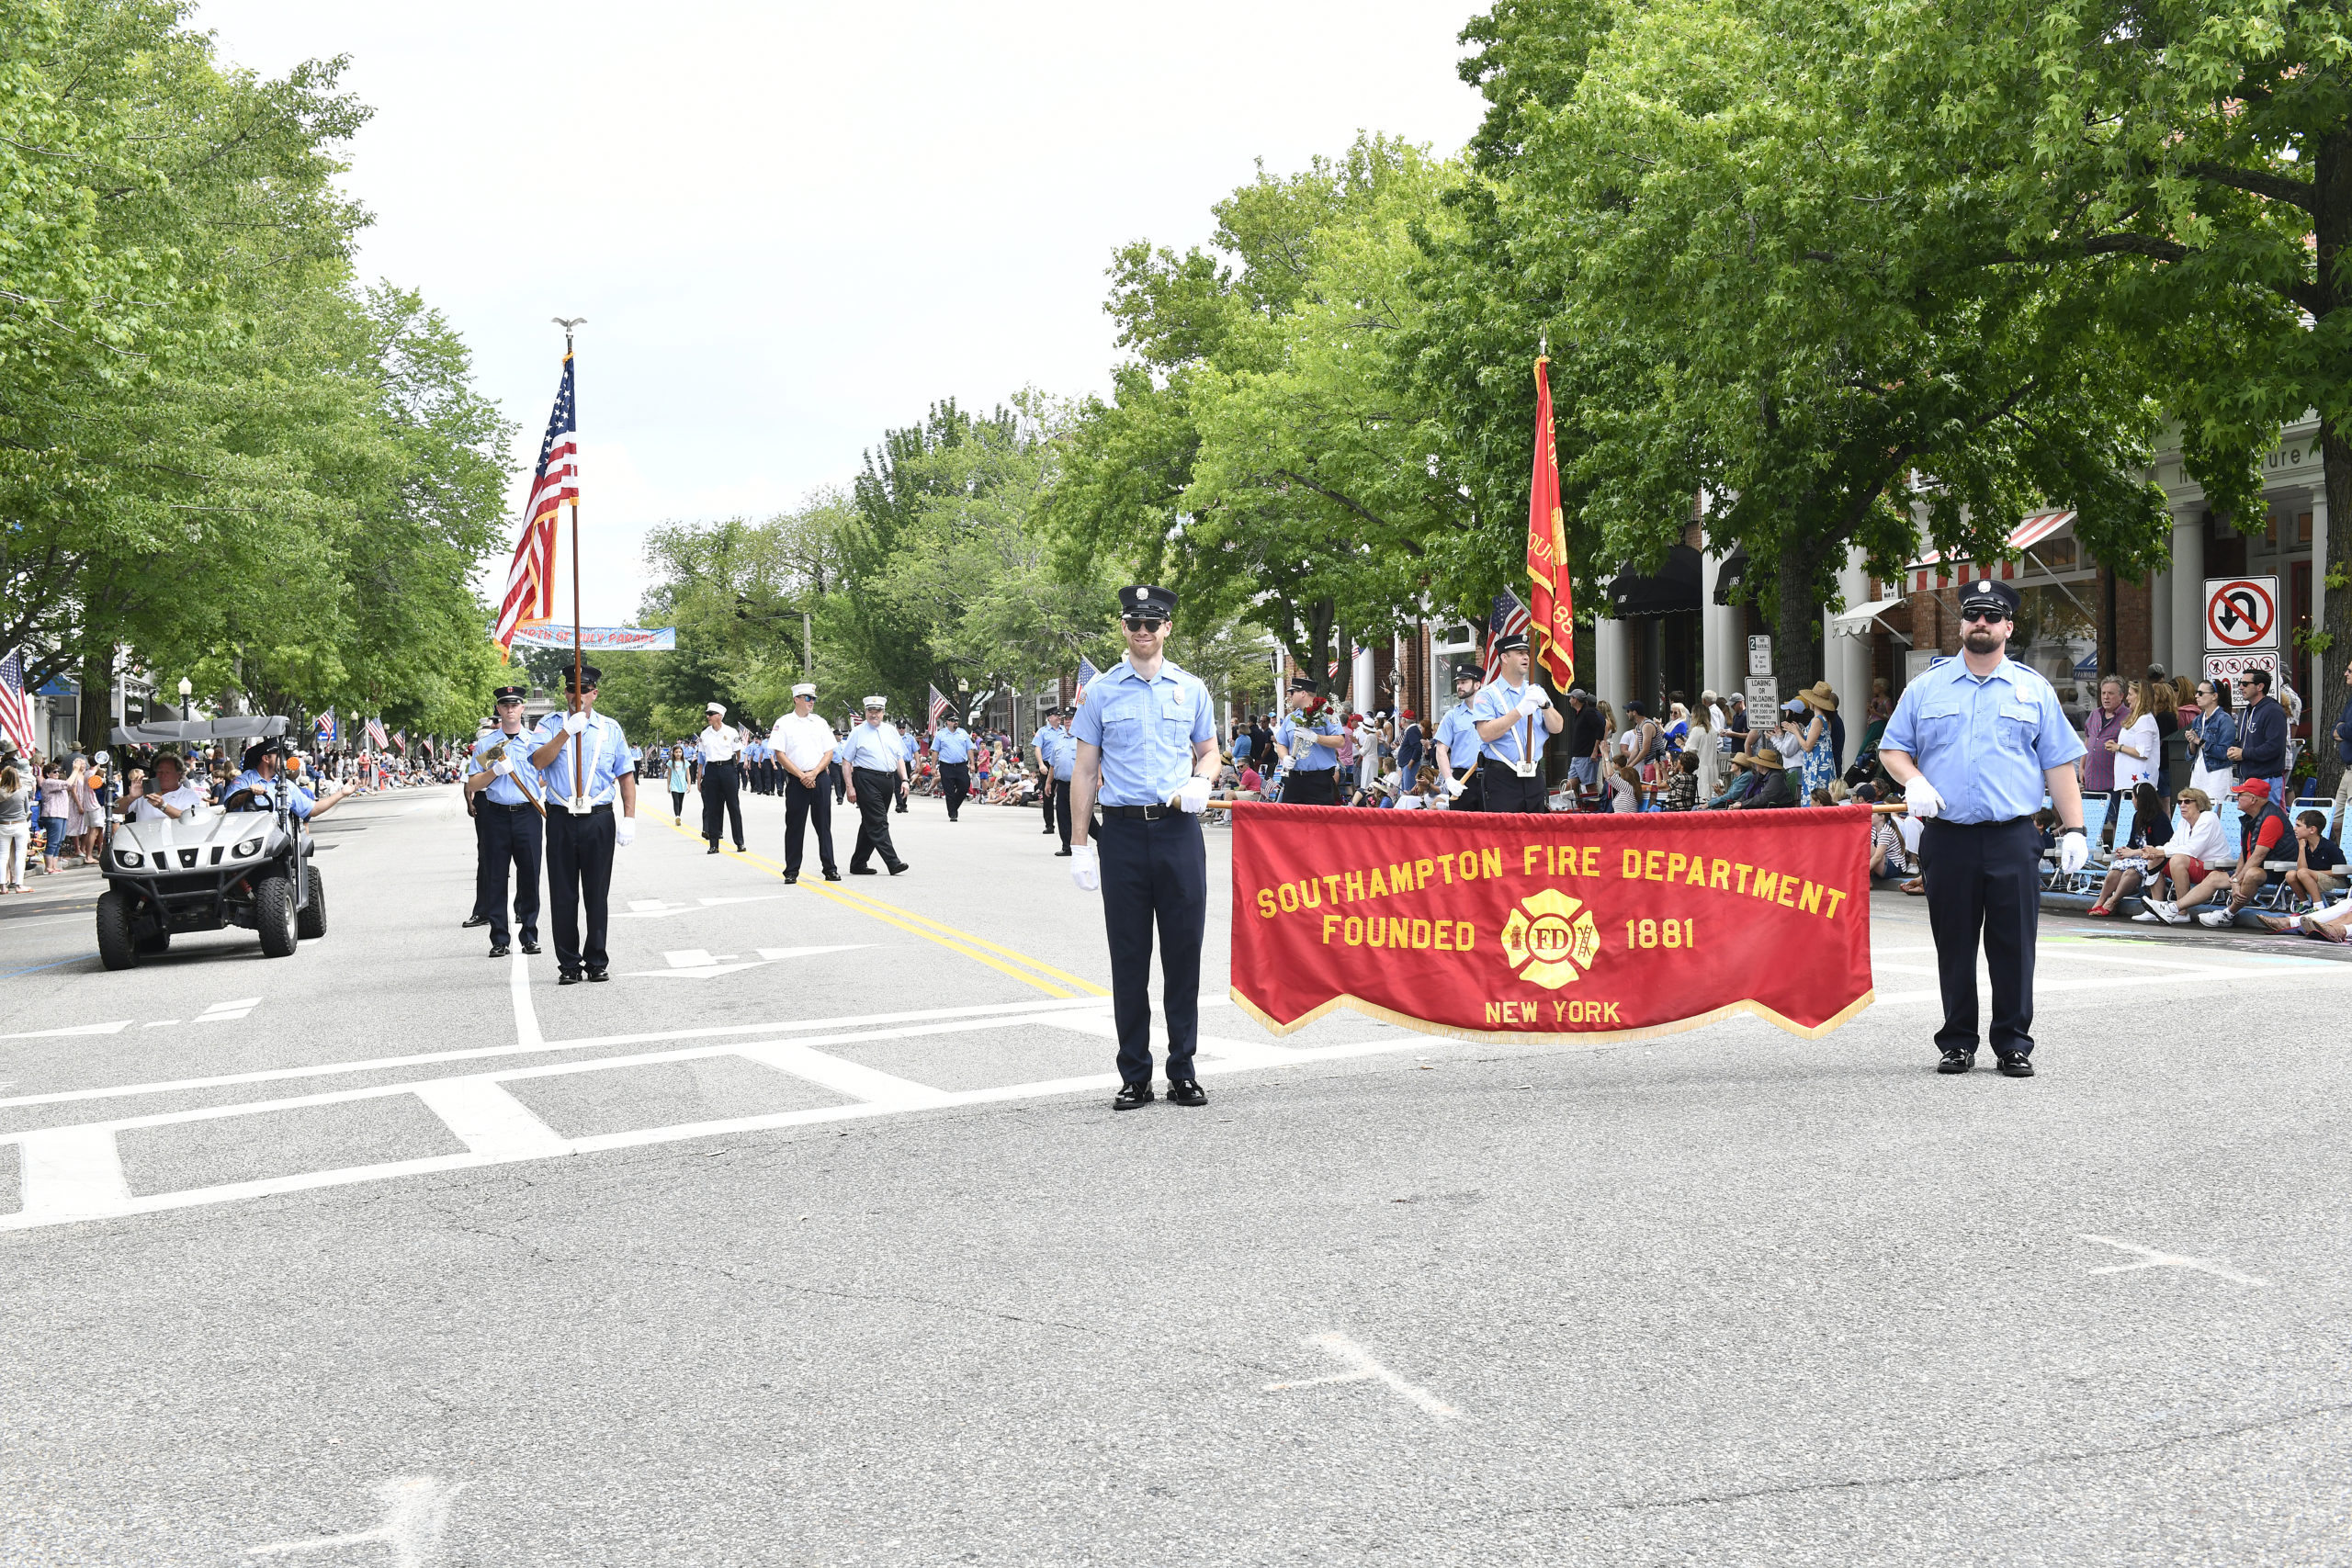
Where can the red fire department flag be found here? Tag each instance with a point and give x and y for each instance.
(1550, 604)
(1552, 927)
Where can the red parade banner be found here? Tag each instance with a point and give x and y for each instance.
(1567, 926)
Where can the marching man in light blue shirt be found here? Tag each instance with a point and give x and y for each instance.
(582, 829)
(1041, 746)
(1306, 742)
(1515, 718)
(1060, 764)
(509, 836)
(952, 748)
(876, 766)
(1457, 744)
(1147, 751)
(1978, 741)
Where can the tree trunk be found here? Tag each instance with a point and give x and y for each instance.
(1796, 618)
(2332, 650)
(96, 701)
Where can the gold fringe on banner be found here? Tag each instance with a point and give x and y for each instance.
(1497, 1036)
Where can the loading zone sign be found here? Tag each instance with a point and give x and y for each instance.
(2241, 613)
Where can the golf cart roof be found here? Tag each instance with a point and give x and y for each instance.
(195, 731)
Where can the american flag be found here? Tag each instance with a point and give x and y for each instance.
(530, 576)
(1511, 615)
(375, 733)
(15, 713)
(938, 707)
(330, 733)
(1086, 672)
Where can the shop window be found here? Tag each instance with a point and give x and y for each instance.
(2302, 528)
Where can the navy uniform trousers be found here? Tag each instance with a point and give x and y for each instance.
(720, 798)
(511, 840)
(1058, 793)
(876, 790)
(1499, 788)
(580, 871)
(1154, 871)
(1046, 799)
(1984, 880)
(955, 783)
(1310, 786)
(800, 804)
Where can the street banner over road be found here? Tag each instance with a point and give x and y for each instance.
(603, 639)
(1564, 927)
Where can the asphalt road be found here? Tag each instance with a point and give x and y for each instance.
(811, 1240)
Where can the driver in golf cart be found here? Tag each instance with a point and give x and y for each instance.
(170, 796)
(255, 789)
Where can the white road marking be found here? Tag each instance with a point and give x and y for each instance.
(115, 1028)
(526, 1018)
(1253, 1052)
(2045, 987)
(846, 1078)
(1365, 1370)
(492, 1122)
(69, 1173)
(159, 1024)
(659, 908)
(416, 1513)
(228, 1013)
(2151, 1259)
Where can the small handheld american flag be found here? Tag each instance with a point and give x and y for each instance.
(1510, 616)
(938, 707)
(15, 712)
(1086, 672)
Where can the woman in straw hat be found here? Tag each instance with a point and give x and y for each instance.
(1818, 756)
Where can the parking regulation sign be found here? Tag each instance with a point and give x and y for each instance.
(2241, 614)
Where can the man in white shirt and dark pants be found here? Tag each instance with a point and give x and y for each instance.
(804, 749)
(721, 745)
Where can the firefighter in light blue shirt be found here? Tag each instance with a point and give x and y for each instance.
(583, 828)
(1040, 748)
(1979, 741)
(952, 747)
(1458, 743)
(874, 763)
(1305, 740)
(1147, 751)
(1060, 764)
(509, 835)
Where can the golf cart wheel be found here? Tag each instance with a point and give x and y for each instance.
(115, 950)
(149, 945)
(312, 924)
(274, 915)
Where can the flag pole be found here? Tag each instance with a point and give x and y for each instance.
(579, 785)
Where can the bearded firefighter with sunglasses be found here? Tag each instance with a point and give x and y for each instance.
(1977, 741)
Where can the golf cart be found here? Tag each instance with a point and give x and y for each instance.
(212, 867)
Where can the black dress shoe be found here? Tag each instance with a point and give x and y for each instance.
(500, 951)
(470, 921)
(599, 975)
(713, 849)
(568, 977)
(532, 948)
(1185, 1091)
(832, 875)
(790, 877)
(1131, 1096)
(741, 850)
(1956, 1062)
(1063, 850)
(1049, 832)
(2015, 1068)
(862, 870)
(897, 868)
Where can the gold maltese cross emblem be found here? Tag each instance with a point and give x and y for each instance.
(1548, 934)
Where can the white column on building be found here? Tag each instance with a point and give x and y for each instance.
(2318, 580)
(1719, 667)
(1613, 665)
(2188, 645)
(2160, 638)
(1362, 683)
(1847, 659)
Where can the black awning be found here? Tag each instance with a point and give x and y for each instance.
(1727, 575)
(1673, 589)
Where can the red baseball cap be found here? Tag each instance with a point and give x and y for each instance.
(2258, 788)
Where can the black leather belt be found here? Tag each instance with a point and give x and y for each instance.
(502, 806)
(2004, 822)
(1138, 813)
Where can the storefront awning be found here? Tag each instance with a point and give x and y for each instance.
(1863, 619)
(1931, 570)
(1674, 588)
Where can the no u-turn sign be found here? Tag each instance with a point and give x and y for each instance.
(2241, 613)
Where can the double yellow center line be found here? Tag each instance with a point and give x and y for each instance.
(996, 956)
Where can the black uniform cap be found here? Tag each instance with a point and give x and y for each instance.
(1143, 599)
(260, 749)
(588, 676)
(1511, 642)
(1301, 683)
(1990, 594)
(508, 695)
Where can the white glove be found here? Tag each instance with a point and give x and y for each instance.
(1538, 695)
(2073, 852)
(1529, 704)
(1193, 795)
(1925, 800)
(573, 723)
(503, 768)
(625, 831)
(1086, 868)
(1454, 787)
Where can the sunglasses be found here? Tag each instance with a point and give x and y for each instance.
(1144, 623)
(1990, 617)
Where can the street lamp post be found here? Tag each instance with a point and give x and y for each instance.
(187, 689)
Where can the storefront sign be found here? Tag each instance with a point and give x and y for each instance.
(1551, 927)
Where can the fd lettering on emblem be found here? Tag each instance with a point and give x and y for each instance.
(1549, 935)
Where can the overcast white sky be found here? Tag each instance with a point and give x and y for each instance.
(793, 225)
